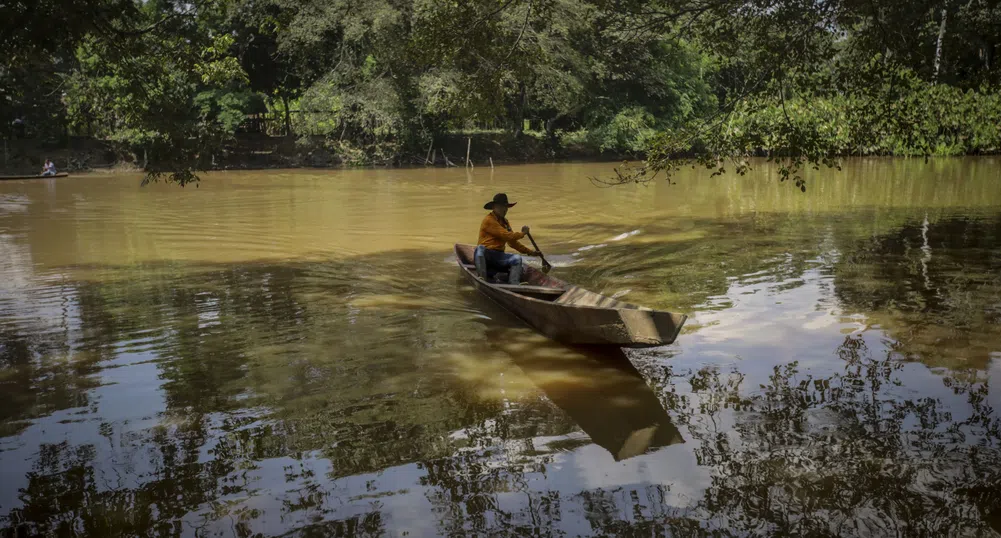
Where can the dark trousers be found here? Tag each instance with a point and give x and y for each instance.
(489, 262)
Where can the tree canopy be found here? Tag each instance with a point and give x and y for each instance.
(681, 82)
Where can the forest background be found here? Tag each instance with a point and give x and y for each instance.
(175, 87)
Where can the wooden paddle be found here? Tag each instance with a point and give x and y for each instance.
(546, 266)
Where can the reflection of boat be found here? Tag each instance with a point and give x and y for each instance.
(597, 387)
(574, 315)
(35, 176)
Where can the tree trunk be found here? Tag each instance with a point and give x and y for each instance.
(520, 116)
(551, 131)
(938, 46)
(288, 116)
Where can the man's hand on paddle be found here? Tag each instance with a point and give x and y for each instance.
(525, 229)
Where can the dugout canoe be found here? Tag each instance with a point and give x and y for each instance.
(571, 314)
(35, 176)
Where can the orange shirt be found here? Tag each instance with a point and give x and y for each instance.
(495, 232)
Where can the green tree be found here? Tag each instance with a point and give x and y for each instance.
(170, 96)
(878, 57)
(681, 82)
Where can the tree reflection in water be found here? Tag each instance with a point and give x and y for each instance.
(838, 455)
(295, 397)
(846, 454)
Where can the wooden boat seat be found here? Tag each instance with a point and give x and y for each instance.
(541, 290)
(530, 289)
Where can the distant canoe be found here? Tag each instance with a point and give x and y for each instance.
(36, 176)
(574, 315)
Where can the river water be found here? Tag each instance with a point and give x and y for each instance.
(295, 353)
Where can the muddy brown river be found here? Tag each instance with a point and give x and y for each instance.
(295, 353)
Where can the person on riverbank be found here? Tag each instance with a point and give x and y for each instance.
(495, 235)
(49, 169)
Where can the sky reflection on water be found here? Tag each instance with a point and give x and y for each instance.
(293, 353)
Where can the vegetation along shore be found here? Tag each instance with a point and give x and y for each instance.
(176, 87)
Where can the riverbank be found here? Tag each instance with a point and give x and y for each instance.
(257, 152)
(262, 152)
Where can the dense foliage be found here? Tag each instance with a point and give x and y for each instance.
(680, 81)
(807, 82)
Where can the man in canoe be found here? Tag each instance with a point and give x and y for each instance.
(495, 234)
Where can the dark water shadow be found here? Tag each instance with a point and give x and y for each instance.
(600, 389)
(596, 386)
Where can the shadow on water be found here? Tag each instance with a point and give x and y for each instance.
(597, 387)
